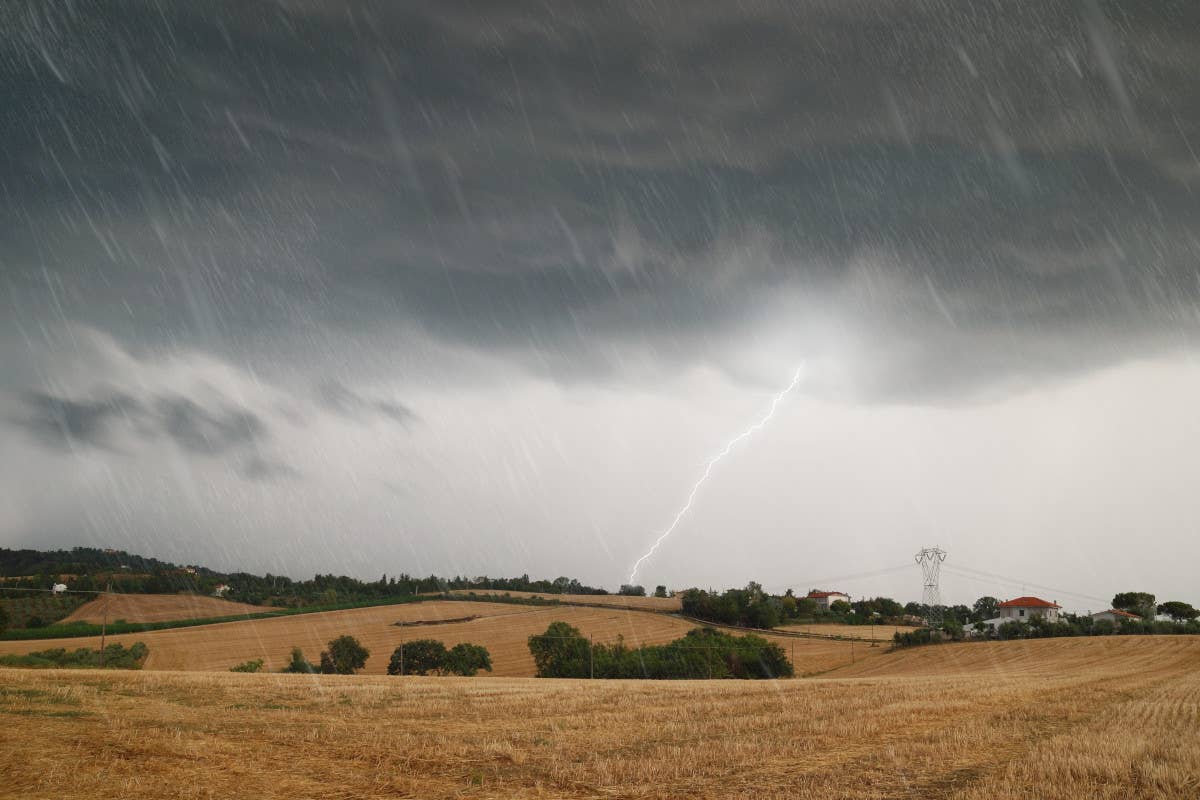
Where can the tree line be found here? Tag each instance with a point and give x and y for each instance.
(345, 655)
(563, 652)
(94, 569)
(957, 625)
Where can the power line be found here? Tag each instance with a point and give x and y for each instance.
(978, 574)
(855, 576)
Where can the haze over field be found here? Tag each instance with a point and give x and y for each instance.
(429, 287)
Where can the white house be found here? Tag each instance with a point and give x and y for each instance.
(826, 599)
(59, 588)
(220, 590)
(1024, 609)
(1114, 616)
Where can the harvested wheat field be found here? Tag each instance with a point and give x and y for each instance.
(615, 600)
(503, 628)
(1033, 657)
(159, 608)
(1092, 719)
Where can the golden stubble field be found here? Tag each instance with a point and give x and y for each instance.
(1090, 718)
(159, 608)
(503, 628)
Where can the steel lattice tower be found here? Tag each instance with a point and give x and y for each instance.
(930, 559)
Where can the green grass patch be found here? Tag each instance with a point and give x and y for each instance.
(38, 712)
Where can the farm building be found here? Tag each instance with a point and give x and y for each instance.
(1025, 608)
(220, 590)
(826, 599)
(58, 588)
(1114, 615)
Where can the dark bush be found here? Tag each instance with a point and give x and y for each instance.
(299, 664)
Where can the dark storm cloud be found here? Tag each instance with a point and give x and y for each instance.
(975, 190)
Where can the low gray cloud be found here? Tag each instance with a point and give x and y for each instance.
(109, 419)
(340, 399)
(258, 468)
(64, 423)
(205, 431)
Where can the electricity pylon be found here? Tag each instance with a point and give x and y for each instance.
(930, 559)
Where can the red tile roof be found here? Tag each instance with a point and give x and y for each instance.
(819, 595)
(1028, 602)
(1119, 613)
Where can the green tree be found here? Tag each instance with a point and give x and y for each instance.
(660, 591)
(420, 657)
(560, 652)
(1140, 603)
(467, 659)
(1178, 610)
(632, 591)
(299, 664)
(839, 607)
(344, 657)
(986, 607)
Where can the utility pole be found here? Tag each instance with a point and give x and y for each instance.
(930, 559)
(104, 622)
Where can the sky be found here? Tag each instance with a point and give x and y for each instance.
(481, 288)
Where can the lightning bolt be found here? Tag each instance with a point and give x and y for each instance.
(753, 429)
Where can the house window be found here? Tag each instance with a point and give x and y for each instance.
(1021, 612)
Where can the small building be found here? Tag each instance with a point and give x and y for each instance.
(220, 590)
(58, 588)
(1114, 616)
(826, 599)
(1025, 608)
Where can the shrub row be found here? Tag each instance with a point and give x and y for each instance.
(115, 657)
(563, 652)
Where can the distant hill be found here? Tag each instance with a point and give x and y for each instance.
(78, 561)
(94, 569)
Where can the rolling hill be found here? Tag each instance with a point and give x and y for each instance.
(501, 627)
(158, 608)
